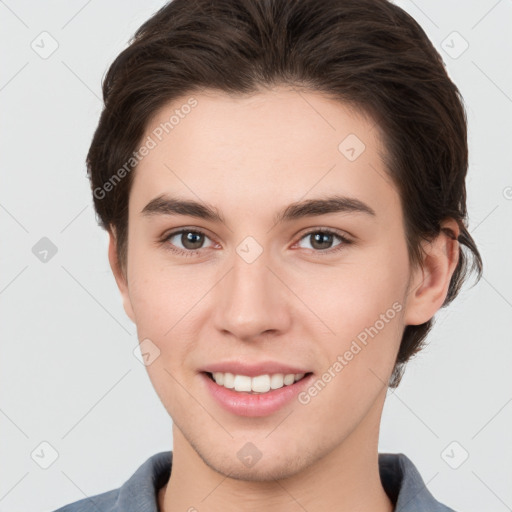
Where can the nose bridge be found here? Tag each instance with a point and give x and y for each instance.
(250, 300)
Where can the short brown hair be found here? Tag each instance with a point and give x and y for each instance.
(367, 53)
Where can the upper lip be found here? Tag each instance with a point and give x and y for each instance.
(253, 369)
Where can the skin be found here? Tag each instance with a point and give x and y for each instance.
(251, 156)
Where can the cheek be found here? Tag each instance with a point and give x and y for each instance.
(354, 295)
(365, 313)
(360, 306)
(166, 304)
(162, 295)
(168, 308)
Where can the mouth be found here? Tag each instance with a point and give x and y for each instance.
(268, 388)
(256, 385)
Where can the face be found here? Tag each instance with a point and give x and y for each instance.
(267, 288)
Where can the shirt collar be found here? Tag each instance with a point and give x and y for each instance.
(405, 486)
(400, 479)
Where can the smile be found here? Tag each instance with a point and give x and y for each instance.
(258, 384)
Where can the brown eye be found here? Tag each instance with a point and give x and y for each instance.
(185, 241)
(322, 240)
(191, 239)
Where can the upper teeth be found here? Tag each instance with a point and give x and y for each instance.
(258, 384)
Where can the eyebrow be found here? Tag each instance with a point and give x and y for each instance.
(168, 205)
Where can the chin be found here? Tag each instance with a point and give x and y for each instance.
(262, 471)
(271, 466)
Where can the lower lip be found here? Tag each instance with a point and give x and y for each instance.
(253, 405)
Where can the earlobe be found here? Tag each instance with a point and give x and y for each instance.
(429, 284)
(119, 275)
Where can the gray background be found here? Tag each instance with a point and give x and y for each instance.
(69, 376)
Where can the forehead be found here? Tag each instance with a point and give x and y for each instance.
(256, 150)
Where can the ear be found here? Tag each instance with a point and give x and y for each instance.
(429, 285)
(119, 275)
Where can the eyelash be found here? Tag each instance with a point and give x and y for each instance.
(345, 241)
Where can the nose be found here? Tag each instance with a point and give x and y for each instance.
(251, 301)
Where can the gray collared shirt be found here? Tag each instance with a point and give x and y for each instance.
(400, 479)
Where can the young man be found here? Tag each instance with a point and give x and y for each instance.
(283, 184)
